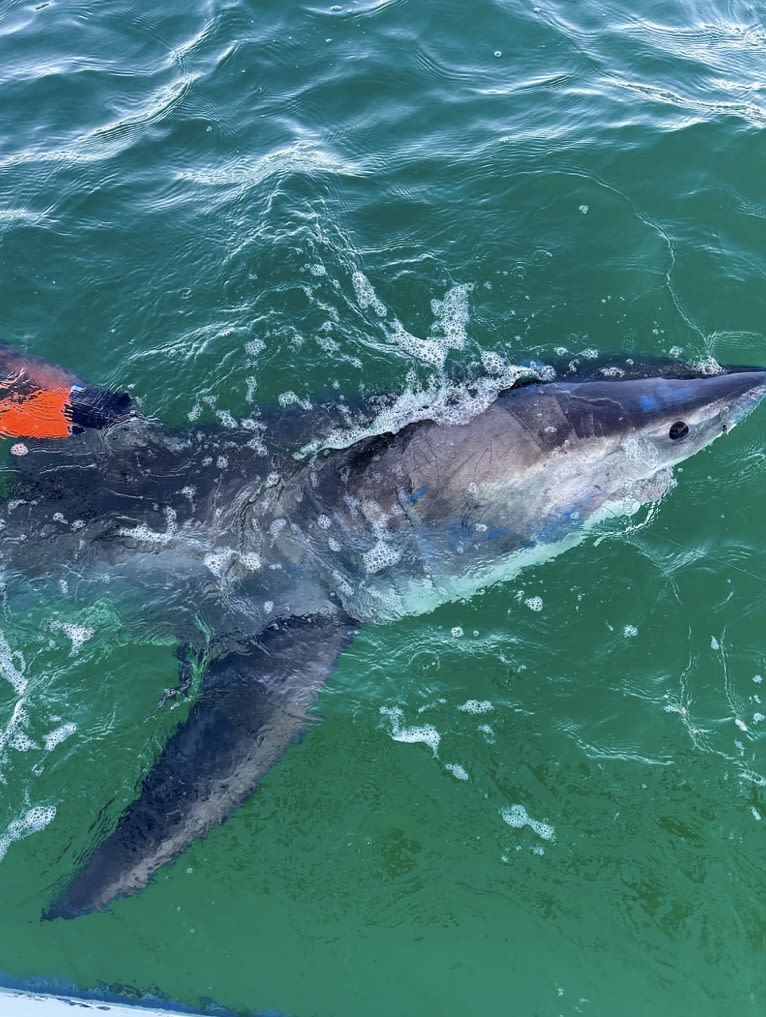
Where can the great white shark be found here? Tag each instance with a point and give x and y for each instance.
(262, 565)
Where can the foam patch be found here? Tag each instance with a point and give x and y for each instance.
(32, 821)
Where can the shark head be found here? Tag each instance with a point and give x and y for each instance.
(472, 503)
(656, 422)
(552, 457)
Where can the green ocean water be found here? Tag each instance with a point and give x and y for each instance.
(551, 799)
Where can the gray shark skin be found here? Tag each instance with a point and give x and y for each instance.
(262, 565)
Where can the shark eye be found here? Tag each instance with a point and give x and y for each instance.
(678, 430)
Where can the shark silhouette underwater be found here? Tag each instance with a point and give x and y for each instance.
(262, 565)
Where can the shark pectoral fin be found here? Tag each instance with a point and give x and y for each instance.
(253, 704)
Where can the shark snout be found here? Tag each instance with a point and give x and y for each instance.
(714, 403)
(743, 390)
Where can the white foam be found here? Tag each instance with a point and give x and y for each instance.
(149, 536)
(518, 817)
(14, 736)
(425, 733)
(366, 296)
(33, 820)
(449, 327)
(476, 706)
(277, 525)
(492, 362)
(8, 669)
(451, 315)
(380, 556)
(219, 562)
(441, 402)
(489, 733)
(254, 346)
(58, 735)
(708, 365)
(76, 634)
(291, 399)
(457, 771)
(534, 603)
(227, 419)
(428, 351)
(630, 631)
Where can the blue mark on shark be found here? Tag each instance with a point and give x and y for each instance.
(557, 526)
(648, 403)
(495, 533)
(416, 495)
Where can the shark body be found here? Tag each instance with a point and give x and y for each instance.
(262, 566)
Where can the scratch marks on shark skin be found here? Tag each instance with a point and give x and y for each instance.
(477, 466)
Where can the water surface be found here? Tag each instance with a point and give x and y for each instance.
(550, 799)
